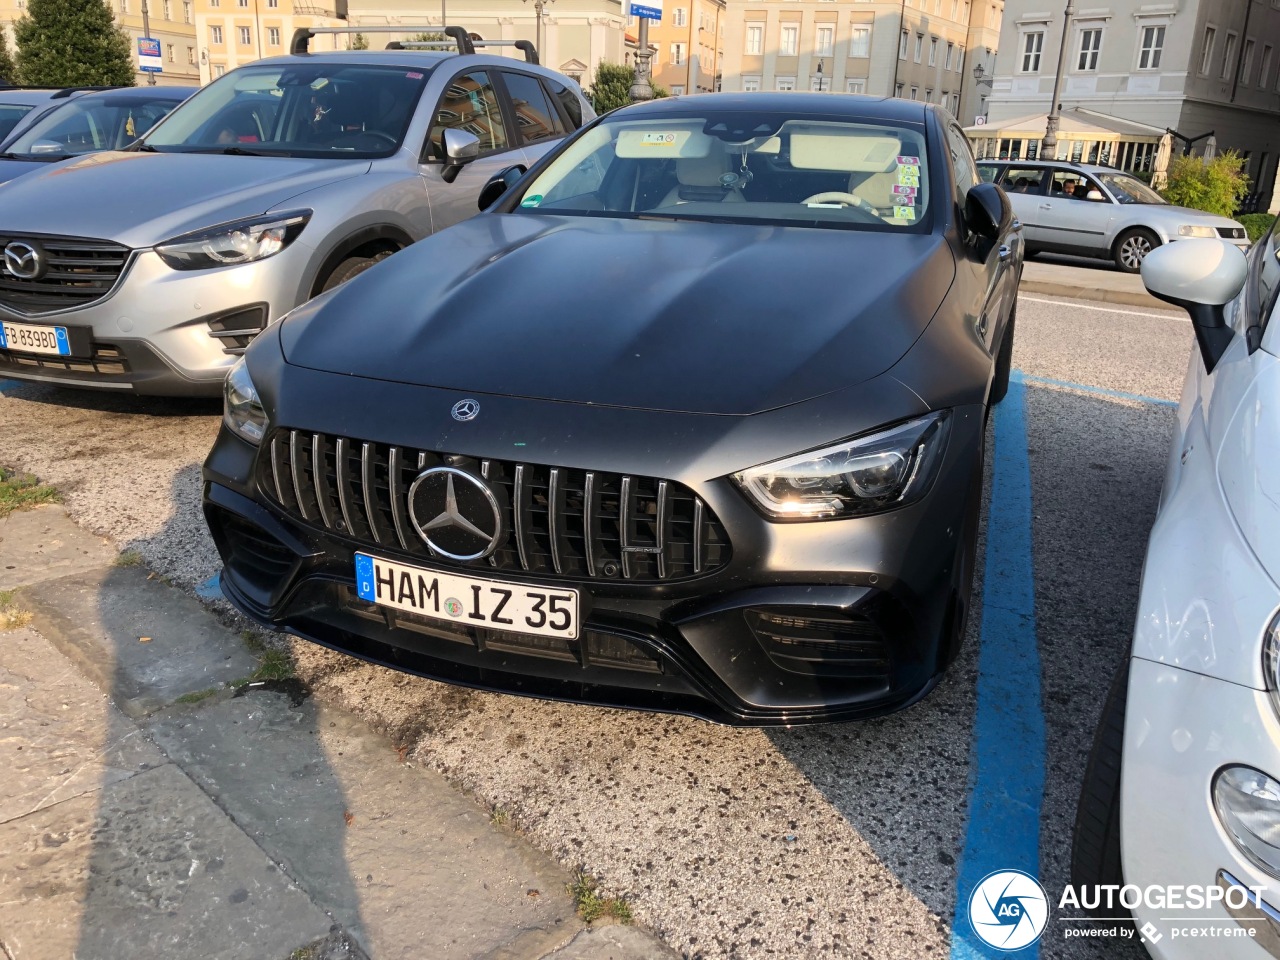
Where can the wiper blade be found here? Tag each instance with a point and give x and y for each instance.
(20, 156)
(142, 148)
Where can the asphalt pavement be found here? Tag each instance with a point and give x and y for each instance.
(844, 840)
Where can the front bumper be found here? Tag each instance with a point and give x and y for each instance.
(685, 646)
(153, 334)
(1181, 728)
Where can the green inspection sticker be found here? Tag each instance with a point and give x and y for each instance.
(531, 201)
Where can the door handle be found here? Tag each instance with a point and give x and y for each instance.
(1046, 206)
(1005, 253)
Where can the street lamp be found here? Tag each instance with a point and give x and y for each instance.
(980, 76)
(538, 7)
(1049, 149)
(641, 88)
(822, 81)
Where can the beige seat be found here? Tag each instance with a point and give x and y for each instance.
(699, 180)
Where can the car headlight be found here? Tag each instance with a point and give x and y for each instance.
(868, 474)
(230, 243)
(242, 410)
(1248, 805)
(1203, 233)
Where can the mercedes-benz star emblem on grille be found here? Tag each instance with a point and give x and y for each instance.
(466, 409)
(23, 260)
(456, 513)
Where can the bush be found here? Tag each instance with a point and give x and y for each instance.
(611, 87)
(1258, 224)
(1214, 187)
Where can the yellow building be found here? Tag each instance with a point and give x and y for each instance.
(234, 32)
(688, 45)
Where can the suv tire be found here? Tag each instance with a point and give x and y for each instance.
(1095, 845)
(351, 267)
(1132, 248)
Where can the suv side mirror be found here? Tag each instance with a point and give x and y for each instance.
(460, 148)
(47, 148)
(987, 211)
(499, 184)
(1202, 277)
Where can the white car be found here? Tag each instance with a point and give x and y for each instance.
(1182, 790)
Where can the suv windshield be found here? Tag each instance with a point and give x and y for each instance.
(89, 124)
(304, 110)
(754, 167)
(1127, 189)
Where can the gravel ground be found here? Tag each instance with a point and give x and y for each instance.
(813, 842)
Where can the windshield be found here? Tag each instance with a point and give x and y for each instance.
(754, 167)
(10, 114)
(90, 124)
(1127, 189)
(301, 110)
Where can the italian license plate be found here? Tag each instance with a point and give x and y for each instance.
(29, 338)
(517, 607)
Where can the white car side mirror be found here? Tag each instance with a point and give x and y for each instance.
(1202, 277)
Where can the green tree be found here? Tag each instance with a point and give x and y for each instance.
(64, 43)
(1214, 187)
(8, 69)
(359, 42)
(611, 87)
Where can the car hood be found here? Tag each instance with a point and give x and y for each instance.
(1186, 215)
(12, 169)
(717, 318)
(141, 199)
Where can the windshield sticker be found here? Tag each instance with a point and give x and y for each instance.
(904, 201)
(413, 76)
(657, 139)
(908, 180)
(902, 191)
(908, 161)
(531, 201)
(904, 213)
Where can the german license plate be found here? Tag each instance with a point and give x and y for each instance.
(29, 338)
(516, 607)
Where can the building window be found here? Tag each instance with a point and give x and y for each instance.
(897, 90)
(244, 37)
(124, 6)
(955, 104)
(960, 60)
(955, 8)
(1152, 48)
(951, 54)
(1246, 65)
(1090, 45)
(191, 54)
(1206, 51)
(1229, 54)
(790, 39)
(186, 11)
(860, 42)
(919, 46)
(915, 92)
(785, 83)
(750, 84)
(168, 52)
(273, 36)
(902, 44)
(755, 39)
(825, 37)
(855, 86)
(928, 95)
(1264, 75)
(677, 89)
(933, 51)
(680, 17)
(168, 9)
(219, 69)
(215, 35)
(1032, 47)
(677, 53)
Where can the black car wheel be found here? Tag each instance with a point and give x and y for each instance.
(1004, 360)
(1132, 248)
(1095, 846)
(352, 267)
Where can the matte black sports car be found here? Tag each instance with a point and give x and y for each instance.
(690, 419)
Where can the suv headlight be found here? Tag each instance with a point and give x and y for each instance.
(869, 474)
(1203, 233)
(242, 241)
(242, 410)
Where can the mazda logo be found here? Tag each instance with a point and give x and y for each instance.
(466, 409)
(456, 513)
(23, 260)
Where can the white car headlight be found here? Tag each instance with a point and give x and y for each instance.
(1203, 233)
(242, 410)
(231, 243)
(865, 475)
(1248, 805)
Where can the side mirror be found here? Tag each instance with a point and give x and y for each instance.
(1202, 277)
(460, 148)
(47, 148)
(499, 184)
(987, 211)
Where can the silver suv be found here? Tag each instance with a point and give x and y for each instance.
(1094, 211)
(150, 269)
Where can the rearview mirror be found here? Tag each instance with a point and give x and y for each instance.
(460, 148)
(987, 211)
(1202, 277)
(499, 184)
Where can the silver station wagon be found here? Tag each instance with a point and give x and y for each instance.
(1094, 211)
(151, 268)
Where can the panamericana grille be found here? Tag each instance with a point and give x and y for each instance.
(77, 271)
(560, 522)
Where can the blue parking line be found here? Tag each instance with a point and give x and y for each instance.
(1007, 757)
(1100, 391)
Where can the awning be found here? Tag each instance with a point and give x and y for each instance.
(1075, 124)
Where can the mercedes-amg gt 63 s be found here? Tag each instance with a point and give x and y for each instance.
(690, 419)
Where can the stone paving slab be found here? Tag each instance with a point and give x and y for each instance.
(613, 943)
(42, 543)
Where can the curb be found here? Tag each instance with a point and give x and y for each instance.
(1075, 292)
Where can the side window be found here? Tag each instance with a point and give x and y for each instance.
(469, 103)
(988, 173)
(962, 161)
(536, 118)
(1068, 185)
(1024, 180)
(569, 102)
(1264, 279)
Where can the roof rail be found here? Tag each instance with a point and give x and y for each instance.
(302, 37)
(59, 92)
(524, 46)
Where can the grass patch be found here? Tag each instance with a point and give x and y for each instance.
(500, 817)
(18, 491)
(252, 641)
(272, 665)
(11, 618)
(592, 906)
(127, 558)
(197, 695)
